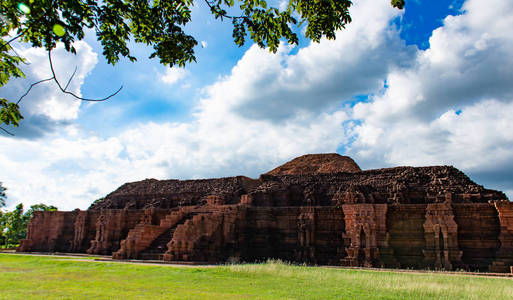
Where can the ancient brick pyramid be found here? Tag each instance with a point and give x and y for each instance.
(316, 209)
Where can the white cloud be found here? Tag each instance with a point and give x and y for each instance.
(71, 171)
(283, 5)
(467, 69)
(173, 75)
(51, 102)
(46, 107)
(320, 76)
(271, 108)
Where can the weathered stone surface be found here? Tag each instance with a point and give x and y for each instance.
(206, 236)
(401, 185)
(317, 164)
(365, 234)
(405, 234)
(441, 234)
(504, 256)
(152, 225)
(152, 193)
(428, 217)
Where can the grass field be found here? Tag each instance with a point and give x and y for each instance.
(41, 277)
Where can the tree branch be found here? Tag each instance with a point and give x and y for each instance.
(6, 131)
(209, 3)
(31, 86)
(14, 38)
(71, 78)
(71, 93)
(22, 60)
(64, 90)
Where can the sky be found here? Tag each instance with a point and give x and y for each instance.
(428, 85)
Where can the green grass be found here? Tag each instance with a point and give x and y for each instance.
(41, 277)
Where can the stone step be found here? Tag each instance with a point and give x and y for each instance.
(159, 246)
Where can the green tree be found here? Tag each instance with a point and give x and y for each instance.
(3, 196)
(156, 23)
(37, 207)
(13, 224)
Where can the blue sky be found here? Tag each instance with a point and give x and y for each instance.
(217, 59)
(428, 85)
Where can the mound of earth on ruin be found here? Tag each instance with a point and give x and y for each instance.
(317, 164)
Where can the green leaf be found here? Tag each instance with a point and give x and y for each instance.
(398, 3)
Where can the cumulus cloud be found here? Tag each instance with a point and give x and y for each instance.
(454, 105)
(232, 132)
(283, 5)
(271, 108)
(320, 76)
(46, 107)
(219, 141)
(70, 171)
(173, 75)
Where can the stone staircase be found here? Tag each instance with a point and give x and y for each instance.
(201, 238)
(158, 247)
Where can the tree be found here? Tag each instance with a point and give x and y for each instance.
(13, 224)
(38, 207)
(156, 23)
(3, 196)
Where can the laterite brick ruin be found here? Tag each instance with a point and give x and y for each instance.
(316, 209)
